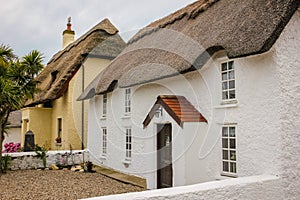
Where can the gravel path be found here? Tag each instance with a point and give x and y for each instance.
(60, 184)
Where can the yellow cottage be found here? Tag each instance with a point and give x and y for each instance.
(54, 116)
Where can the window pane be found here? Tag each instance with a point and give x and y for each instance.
(232, 94)
(233, 167)
(225, 155)
(224, 86)
(230, 65)
(232, 131)
(232, 143)
(225, 95)
(231, 84)
(231, 75)
(225, 143)
(232, 155)
(224, 76)
(225, 131)
(225, 167)
(224, 66)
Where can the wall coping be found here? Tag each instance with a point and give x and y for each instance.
(32, 153)
(191, 189)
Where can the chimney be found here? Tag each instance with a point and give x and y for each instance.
(68, 34)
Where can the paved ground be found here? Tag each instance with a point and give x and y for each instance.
(60, 184)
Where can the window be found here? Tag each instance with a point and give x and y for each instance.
(59, 130)
(228, 80)
(128, 143)
(104, 141)
(229, 150)
(104, 101)
(59, 127)
(127, 100)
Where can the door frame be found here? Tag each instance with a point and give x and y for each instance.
(159, 171)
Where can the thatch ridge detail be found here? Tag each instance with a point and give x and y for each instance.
(186, 39)
(55, 77)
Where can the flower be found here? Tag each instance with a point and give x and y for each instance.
(11, 147)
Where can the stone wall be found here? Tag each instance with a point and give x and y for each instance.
(29, 160)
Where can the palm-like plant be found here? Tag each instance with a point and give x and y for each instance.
(17, 83)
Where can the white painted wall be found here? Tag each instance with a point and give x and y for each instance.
(197, 147)
(14, 135)
(250, 188)
(266, 115)
(287, 59)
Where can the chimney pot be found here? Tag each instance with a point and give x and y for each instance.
(68, 34)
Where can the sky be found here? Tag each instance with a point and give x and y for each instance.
(28, 25)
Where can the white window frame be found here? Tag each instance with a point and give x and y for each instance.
(229, 150)
(127, 100)
(228, 81)
(104, 141)
(104, 105)
(128, 144)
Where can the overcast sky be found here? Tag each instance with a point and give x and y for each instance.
(38, 24)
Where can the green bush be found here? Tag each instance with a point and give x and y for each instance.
(6, 163)
(42, 153)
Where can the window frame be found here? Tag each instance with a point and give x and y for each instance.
(228, 85)
(128, 143)
(127, 105)
(104, 142)
(228, 149)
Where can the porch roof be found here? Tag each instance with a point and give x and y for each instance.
(178, 107)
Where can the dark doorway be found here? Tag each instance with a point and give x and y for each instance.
(164, 156)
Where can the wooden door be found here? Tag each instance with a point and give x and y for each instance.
(164, 156)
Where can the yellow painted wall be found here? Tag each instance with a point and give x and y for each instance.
(38, 120)
(44, 121)
(92, 67)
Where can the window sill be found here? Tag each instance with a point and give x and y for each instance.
(126, 116)
(230, 175)
(103, 118)
(127, 161)
(102, 157)
(229, 101)
(228, 104)
(58, 144)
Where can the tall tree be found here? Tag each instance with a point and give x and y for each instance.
(17, 83)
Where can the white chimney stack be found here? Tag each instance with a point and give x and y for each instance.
(68, 34)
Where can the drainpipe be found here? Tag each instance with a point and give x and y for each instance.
(82, 111)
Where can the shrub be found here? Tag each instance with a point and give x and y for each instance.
(6, 163)
(42, 153)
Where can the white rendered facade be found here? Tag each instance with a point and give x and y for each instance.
(264, 113)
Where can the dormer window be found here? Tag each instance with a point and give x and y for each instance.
(53, 76)
(127, 101)
(228, 81)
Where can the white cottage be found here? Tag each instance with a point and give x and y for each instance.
(207, 93)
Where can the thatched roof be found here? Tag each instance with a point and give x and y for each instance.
(14, 119)
(101, 41)
(184, 40)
